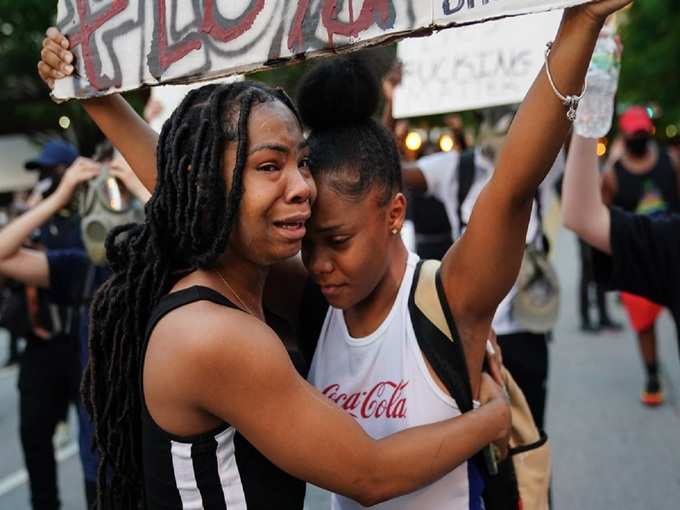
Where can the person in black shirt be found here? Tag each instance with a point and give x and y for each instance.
(644, 180)
(633, 252)
(643, 258)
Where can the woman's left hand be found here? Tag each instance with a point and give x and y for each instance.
(599, 10)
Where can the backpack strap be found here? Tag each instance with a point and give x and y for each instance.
(437, 334)
(440, 343)
(466, 176)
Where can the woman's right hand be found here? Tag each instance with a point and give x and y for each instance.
(600, 9)
(490, 393)
(56, 61)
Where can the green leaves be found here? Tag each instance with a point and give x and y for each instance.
(651, 58)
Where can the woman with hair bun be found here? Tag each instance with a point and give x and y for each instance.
(366, 343)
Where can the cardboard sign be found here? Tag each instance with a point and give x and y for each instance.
(124, 44)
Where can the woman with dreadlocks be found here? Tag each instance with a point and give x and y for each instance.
(235, 425)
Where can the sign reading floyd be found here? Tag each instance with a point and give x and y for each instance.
(123, 44)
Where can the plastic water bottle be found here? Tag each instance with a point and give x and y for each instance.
(596, 109)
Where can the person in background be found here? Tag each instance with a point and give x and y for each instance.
(643, 180)
(430, 222)
(636, 253)
(50, 375)
(13, 312)
(587, 286)
(63, 229)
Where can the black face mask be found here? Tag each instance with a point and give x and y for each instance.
(637, 147)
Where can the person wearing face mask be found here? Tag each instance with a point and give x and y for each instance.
(457, 179)
(105, 193)
(644, 180)
(62, 230)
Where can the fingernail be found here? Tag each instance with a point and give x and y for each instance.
(64, 43)
(69, 68)
(59, 75)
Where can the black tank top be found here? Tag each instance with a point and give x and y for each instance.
(654, 192)
(215, 470)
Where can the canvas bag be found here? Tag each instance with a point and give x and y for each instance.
(524, 477)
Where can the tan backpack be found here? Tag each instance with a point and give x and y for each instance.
(524, 478)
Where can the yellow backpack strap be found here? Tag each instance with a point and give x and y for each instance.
(436, 332)
(426, 297)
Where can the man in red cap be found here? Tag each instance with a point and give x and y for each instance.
(644, 180)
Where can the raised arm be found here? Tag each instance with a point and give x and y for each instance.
(119, 122)
(583, 210)
(479, 270)
(306, 434)
(30, 266)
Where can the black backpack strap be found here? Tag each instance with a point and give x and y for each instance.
(466, 176)
(312, 316)
(437, 334)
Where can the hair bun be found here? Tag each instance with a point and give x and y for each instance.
(336, 92)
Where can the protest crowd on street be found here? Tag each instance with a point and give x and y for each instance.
(340, 255)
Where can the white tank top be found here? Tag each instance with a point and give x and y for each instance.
(383, 382)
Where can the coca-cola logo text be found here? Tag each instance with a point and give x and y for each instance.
(384, 400)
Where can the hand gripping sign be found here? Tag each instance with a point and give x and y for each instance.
(124, 44)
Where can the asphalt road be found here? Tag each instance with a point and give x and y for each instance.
(609, 452)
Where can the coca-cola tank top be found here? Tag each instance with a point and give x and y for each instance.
(382, 380)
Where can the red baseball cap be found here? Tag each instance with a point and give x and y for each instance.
(634, 120)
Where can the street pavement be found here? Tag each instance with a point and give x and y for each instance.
(609, 452)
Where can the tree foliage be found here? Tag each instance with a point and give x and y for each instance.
(651, 57)
(25, 102)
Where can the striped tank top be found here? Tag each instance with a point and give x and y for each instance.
(216, 470)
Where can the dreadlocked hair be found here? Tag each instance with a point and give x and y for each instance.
(188, 222)
(337, 100)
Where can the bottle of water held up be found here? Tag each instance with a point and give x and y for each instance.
(596, 109)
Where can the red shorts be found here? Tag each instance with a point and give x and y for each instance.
(641, 311)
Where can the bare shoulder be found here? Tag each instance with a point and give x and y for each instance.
(206, 332)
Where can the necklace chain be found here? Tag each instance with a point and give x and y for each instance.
(231, 289)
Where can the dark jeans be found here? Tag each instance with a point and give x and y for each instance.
(525, 355)
(48, 382)
(90, 493)
(13, 353)
(588, 282)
